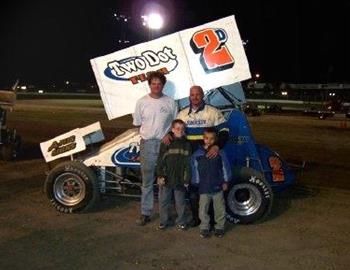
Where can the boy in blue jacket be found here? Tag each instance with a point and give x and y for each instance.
(211, 175)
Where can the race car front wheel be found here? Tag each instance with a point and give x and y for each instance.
(249, 200)
(72, 187)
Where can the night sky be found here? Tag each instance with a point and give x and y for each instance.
(289, 41)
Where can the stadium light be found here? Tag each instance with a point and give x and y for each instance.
(153, 21)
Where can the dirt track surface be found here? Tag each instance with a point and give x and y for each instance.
(308, 227)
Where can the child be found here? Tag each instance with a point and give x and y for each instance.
(211, 175)
(173, 175)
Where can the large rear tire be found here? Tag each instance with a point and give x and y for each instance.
(249, 200)
(72, 187)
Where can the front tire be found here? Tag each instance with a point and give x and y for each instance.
(249, 200)
(72, 187)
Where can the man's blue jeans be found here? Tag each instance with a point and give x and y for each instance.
(149, 150)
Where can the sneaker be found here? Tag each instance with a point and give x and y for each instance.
(181, 227)
(204, 233)
(219, 233)
(143, 220)
(161, 227)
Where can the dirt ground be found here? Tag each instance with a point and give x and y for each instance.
(309, 227)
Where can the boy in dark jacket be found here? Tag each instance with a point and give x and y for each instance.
(212, 177)
(173, 175)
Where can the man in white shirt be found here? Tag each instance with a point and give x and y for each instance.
(153, 114)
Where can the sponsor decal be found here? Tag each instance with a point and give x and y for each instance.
(239, 139)
(133, 68)
(276, 166)
(257, 181)
(128, 155)
(62, 146)
(214, 54)
(196, 123)
(232, 219)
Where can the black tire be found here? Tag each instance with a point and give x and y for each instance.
(249, 200)
(72, 187)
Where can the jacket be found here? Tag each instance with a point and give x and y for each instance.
(197, 121)
(209, 174)
(174, 162)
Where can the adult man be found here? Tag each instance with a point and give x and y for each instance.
(153, 114)
(198, 116)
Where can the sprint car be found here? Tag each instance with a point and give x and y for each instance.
(75, 185)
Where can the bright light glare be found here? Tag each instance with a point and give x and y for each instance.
(154, 21)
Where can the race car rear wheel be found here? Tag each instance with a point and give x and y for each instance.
(249, 200)
(72, 187)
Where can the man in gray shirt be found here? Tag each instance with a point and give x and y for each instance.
(153, 114)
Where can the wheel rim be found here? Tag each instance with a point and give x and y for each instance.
(244, 199)
(69, 189)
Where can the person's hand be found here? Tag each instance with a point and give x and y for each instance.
(213, 151)
(161, 181)
(167, 139)
(186, 186)
(224, 186)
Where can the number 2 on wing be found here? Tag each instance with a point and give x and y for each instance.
(210, 43)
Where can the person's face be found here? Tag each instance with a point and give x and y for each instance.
(196, 96)
(209, 139)
(178, 130)
(156, 86)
